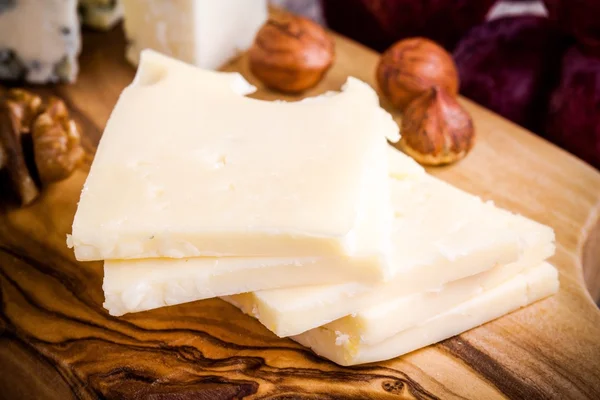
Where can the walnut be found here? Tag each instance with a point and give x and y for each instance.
(56, 143)
(37, 140)
(25, 106)
(3, 157)
(14, 165)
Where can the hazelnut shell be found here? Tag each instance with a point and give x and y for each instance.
(411, 67)
(290, 53)
(436, 129)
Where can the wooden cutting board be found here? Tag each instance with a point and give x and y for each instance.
(57, 341)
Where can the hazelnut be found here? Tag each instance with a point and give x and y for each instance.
(290, 53)
(435, 129)
(411, 67)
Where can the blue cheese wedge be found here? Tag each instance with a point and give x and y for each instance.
(100, 14)
(39, 40)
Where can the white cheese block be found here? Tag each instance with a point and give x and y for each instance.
(440, 234)
(143, 284)
(534, 284)
(205, 33)
(204, 171)
(39, 40)
(100, 14)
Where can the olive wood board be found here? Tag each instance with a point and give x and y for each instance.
(57, 342)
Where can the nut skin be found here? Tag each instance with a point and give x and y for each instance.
(291, 54)
(56, 143)
(14, 165)
(411, 67)
(436, 130)
(3, 157)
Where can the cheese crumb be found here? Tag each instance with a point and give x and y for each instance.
(341, 338)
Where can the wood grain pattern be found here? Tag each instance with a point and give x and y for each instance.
(57, 341)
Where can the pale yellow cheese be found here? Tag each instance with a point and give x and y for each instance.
(188, 166)
(374, 324)
(440, 234)
(143, 284)
(526, 288)
(139, 285)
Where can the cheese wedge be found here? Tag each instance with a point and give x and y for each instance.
(375, 324)
(440, 234)
(138, 285)
(534, 284)
(188, 166)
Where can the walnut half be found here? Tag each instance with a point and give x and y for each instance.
(37, 140)
(13, 158)
(25, 107)
(56, 143)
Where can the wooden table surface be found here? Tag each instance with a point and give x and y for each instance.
(57, 342)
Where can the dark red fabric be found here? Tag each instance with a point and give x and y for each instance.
(379, 23)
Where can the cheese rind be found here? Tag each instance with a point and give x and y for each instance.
(205, 33)
(534, 284)
(440, 235)
(39, 40)
(208, 184)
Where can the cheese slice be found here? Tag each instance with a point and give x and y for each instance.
(440, 234)
(532, 285)
(188, 166)
(374, 324)
(143, 284)
(205, 33)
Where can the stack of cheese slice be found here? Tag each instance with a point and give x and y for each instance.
(299, 214)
